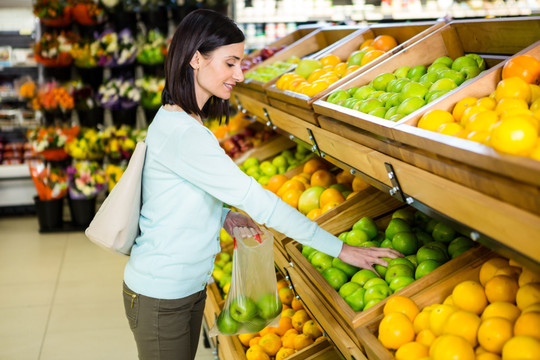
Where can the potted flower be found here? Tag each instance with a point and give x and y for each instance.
(120, 142)
(151, 89)
(48, 142)
(152, 50)
(88, 145)
(54, 13)
(89, 12)
(117, 51)
(55, 101)
(86, 180)
(89, 113)
(53, 51)
(154, 15)
(121, 96)
(86, 60)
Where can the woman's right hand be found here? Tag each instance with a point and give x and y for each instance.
(367, 257)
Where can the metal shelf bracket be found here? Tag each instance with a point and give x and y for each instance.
(396, 190)
(268, 120)
(239, 105)
(315, 147)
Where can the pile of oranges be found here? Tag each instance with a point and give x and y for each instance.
(295, 331)
(508, 119)
(497, 317)
(332, 67)
(316, 172)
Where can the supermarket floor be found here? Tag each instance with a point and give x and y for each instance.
(60, 297)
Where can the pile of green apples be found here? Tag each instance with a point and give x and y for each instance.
(425, 243)
(222, 272)
(392, 96)
(268, 72)
(286, 160)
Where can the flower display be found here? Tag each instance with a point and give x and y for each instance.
(120, 142)
(113, 173)
(51, 182)
(118, 93)
(152, 48)
(53, 97)
(85, 53)
(49, 141)
(53, 49)
(151, 89)
(88, 145)
(53, 12)
(83, 96)
(115, 49)
(86, 179)
(89, 12)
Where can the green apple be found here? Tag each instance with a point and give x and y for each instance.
(399, 282)
(243, 308)
(431, 252)
(391, 112)
(430, 226)
(306, 66)
(443, 232)
(421, 219)
(348, 288)
(377, 292)
(217, 274)
(269, 306)
(356, 299)
(381, 270)
(437, 67)
(401, 72)
(396, 117)
(254, 325)
(404, 214)
(280, 161)
(459, 245)
(335, 277)
(456, 76)
(373, 282)
(369, 244)
(410, 105)
(268, 168)
(433, 95)
(356, 58)
(343, 236)
(470, 72)
(381, 81)
(405, 242)
(362, 276)
(350, 102)
(445, 60)
(367, 225)
(363, 92)
(337, 95)
(398, 270)
(225, 279)
(254, 172)
(312, 254)
(309, 199)
(227, 269)
(348, 269)
(396, 225)
(321, 261)
(263, 179)
(412, 259)
(251, 161)
(356, 236)
(412, 89)
(397, 85)
(307, 250)
(401, 261)
(480, 62)
(416, 72)
(462, 62)
(371, 303)
(386, 243)
(376, 94)
(422, 236)
(429, 77)
(384, 97)
(369, 105)
(226, 324)
(352, 90)
(425, 267)
(392, 101)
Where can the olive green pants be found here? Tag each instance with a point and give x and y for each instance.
(165, 329)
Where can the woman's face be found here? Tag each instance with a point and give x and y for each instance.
(217, 73)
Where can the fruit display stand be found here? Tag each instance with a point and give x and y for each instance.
(308, 46)
(435, 293)
(405, 34)
(266, 150)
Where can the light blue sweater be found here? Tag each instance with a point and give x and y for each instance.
(186, 179)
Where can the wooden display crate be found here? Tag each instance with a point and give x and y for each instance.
(450, 40)
(404, 33)
(517, 168)
(308, 46)
(267, 150)
(434, 294)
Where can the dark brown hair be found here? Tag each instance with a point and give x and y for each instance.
(204, 31)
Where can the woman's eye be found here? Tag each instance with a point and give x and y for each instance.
(230, 65)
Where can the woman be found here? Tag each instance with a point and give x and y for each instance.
(186, 179)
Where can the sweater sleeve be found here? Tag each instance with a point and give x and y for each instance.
(199, 159)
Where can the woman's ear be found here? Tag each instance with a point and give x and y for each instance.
(196, 60)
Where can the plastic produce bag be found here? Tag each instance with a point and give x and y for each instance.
(252, 302)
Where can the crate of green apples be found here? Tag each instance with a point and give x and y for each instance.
(432, 250)
(410, 80)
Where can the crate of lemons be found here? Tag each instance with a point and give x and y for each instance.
(295, 331)
(494, 316)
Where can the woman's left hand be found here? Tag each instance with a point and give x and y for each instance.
(245, 225)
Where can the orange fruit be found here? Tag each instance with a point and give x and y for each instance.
(313, 165)
(506, 104)
(246, 338)
(482, 121)
(351, 69)
(285, 295)
(512, 271)
(301, 341)
(501, 288)
(288, 312)
(370, 56)
(329, 206)
(287, 340)
(285, 323)
(270, 343)
(330, 195)
(502, 309)
(367, 42)
(312, 329)
(528, 276)
(315, 75)
(330, 59)
(340, 69)
(527, 295)
(254, 341)
(351, 195)
(299, 319)
(438, 317)
(256, 352)
(314, 213)
(488, 269)
(384, 42)
(412, 351)
(425, 337)
(514, 135)
(513, 87)
(359, 184)
(282, 283)
(296, 304)
(487, 102)
(322, 178)
(451, 347)
(403, 304)
(267, 330)
(395, 330)
(367, 49)
(469, 112)
(449, 300)
(433, 119)
(525, 67)
(283, 353)
(291, 197)
(461, 105)
(481, 137)
(450, 129)
(528, 324)
(487, 356)
(493, 333)
(521, 347)
(463, 323)
(469, 295)
(421, 321)
(344, 177)
(316, 87)
(290, 184)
